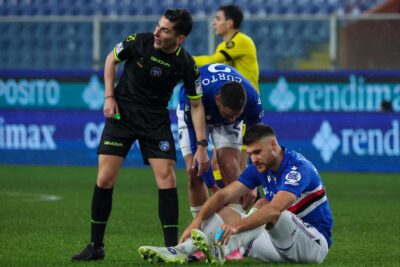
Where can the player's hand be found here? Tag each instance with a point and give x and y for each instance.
(110, 107)
(248, 199)
(201, 159)
(228, 232)
(188, 231)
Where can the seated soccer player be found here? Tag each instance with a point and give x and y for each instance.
(292, 224)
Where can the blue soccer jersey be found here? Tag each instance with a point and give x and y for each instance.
(213, 76)
(299, 176)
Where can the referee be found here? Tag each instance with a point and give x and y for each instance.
(136, 109)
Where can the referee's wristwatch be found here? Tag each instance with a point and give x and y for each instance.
(202, 142)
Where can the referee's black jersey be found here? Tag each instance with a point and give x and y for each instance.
(150, 75)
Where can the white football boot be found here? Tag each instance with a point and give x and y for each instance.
(214, 253)
(162, 254)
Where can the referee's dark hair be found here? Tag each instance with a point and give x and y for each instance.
(256, 132)
(181, 19)
(233, 95)
(234, 13)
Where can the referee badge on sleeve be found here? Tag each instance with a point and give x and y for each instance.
(199, 88)
(118, 48)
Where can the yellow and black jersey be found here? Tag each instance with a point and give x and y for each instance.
(240, 52)
(150, 75)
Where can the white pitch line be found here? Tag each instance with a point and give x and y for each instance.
(33, 197)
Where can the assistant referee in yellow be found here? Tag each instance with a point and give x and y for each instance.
(237, 49)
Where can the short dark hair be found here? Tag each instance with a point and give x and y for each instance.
(234, 13)
(233, 95)
(256, 132)
(181, 19)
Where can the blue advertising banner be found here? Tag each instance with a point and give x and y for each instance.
(352, 141)
(56, 90)
(358, 141)
(327, 91)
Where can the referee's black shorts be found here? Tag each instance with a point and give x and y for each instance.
(150, 126)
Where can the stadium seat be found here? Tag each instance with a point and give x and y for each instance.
(197, 7)
(54, 42)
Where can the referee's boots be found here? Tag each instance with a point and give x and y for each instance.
(90, 253)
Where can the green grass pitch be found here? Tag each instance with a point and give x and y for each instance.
(45, 217)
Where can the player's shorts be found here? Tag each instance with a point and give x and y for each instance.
(222, 136)
(151, 127)
(290, 240)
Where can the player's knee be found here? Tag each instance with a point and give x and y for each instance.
(165, 176)
(194, 182)
(275, 215)
(105, 181)
(229, 170)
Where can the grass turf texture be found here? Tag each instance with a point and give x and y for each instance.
(34, 232)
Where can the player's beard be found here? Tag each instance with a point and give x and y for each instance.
(261, 168)
(265, 164)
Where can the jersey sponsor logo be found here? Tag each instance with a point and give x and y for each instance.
(118, 48)
(293, 177)
(164, 146)
(131, 37)
(155, 71)
(114, 144)
(269, 179)
(159, 61)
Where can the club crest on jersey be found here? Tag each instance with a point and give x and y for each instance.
(293, 178)
(164, 146)
(230, 44)
(155, 71)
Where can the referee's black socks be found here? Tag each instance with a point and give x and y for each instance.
(168, 212)
(101, 209)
